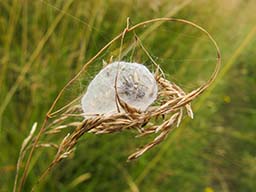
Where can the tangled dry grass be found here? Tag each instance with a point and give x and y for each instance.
(171, 103)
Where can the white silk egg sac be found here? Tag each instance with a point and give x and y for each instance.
(136, 86)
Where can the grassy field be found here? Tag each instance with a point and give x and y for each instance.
(44, 43)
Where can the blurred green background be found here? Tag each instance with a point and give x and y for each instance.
(44, 43)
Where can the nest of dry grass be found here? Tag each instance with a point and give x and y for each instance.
(173, 101)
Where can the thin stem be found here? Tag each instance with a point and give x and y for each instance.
(42, 176)
(127, 30)
(25, 173)
(191, 95)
